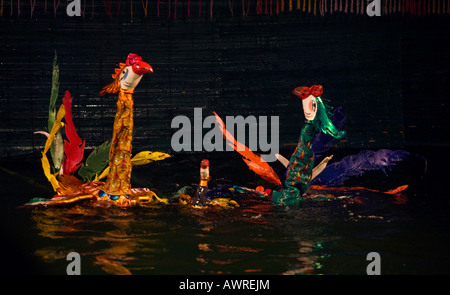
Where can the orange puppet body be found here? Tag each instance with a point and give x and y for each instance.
(118, 181)
(126, 78)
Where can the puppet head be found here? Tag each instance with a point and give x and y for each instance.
(204, 170)
(132, 73)
(128, 75)
(309, 102)
(316, 111)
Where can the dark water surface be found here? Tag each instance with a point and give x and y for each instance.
(410, 231)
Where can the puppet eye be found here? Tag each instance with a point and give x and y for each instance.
(125, 73)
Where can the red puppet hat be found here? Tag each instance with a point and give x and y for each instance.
(204, 164)
(138, 65)
(304, 92)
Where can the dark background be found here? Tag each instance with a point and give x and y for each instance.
(389, 73)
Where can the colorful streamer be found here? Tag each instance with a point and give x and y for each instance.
(111, 9)
(45, 163)
(145, 7)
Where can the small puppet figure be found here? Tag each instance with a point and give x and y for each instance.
(200, 197)
(126, 78)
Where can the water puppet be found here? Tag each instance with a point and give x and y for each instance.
(319, 129)
(118, 187)
(205, 197)
(116, 165)
(301, 163)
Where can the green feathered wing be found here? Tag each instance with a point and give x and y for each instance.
(57, 147)
(95, 162)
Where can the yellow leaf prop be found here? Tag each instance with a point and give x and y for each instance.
(147, 157)
(45, 163)
(151, 196)
(141, 158)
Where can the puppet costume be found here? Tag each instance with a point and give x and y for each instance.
(126, 78)
(299, 172)
(118, 181)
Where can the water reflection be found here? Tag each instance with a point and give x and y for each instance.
(106, 235)
(256, 238)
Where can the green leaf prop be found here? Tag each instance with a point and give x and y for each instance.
(57, 147)
(95, 162)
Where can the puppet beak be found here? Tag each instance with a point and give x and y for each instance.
(141, 68)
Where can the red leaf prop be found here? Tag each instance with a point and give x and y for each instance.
(74, 147)
(254, 162)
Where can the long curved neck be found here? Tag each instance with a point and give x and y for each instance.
(118, 181)
(123, 121)
(302, 160)
(125, 94)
